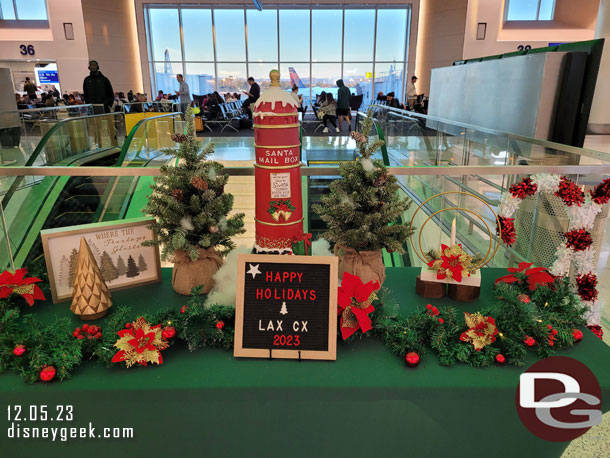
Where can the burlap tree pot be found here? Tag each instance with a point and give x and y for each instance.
(368, 265)
(188, 274)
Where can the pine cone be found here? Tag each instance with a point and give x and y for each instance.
(380, 180)
(359, 137)
(199, 183)
(177, 194)
(214, 229)
(179, 138)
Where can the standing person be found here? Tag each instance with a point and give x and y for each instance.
(184, 93)
(329, 112)
(343, 110)
(253, 95)
(411, 92)
(30, 88)
(97, 88)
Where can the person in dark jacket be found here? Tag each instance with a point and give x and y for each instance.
(97, 88)
(253, 95)
(343, 110)
(393, 101)
(30, 88)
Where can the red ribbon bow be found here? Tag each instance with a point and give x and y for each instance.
(536, 276)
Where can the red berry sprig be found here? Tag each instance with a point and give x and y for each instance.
(88, 331)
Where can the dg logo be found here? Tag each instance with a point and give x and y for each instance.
(559, 399)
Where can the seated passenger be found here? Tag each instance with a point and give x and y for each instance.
(328, 110)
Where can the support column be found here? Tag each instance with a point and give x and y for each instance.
(599, 119)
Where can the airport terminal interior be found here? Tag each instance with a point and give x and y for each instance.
(435, 173)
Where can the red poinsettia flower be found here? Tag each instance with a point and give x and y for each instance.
(536, 276)
(451, 263)
(354, 304)
(16, 283)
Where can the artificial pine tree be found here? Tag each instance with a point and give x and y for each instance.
(72, 269)
(363, 210)
(191, 211)
(91, 299)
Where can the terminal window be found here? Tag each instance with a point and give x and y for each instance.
(23, 10)
(530, 10)
(218, 48)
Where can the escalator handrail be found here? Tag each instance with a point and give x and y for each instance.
(134, 129)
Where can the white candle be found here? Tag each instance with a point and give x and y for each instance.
(452, 233)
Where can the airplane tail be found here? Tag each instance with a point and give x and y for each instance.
(294, 78)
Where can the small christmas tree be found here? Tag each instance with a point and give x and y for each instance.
(72, 268)
(121, 267)
(189, 202)
(363, 210)
(109, 271)
(91, 299)
(142, 266)
(132, 269)
(284, 309)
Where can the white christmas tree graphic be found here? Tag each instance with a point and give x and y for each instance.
(284, 310)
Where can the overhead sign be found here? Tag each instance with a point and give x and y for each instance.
(286, 307)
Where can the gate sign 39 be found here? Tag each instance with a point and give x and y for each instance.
(286, 307)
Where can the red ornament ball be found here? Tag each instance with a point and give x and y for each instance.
(529, 341)
(47, 373)
(220, 324)
(412, 359)
(98, 335)
(500, 359)
(524, 298)
(19, 350)
(429, 306)
(168, 332)
(80, 336)
(183, 309)
(76, 334)
(85, 327)
(577, 335)
(441, 321)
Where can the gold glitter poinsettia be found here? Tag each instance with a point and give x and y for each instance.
(482, 330)
(141, 344)
(452, 262)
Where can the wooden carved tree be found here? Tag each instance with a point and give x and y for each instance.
(91, 299)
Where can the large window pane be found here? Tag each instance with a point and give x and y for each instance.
(296, 74)
(547, 10)
(388, 78)
(391, 35)
(165, 75)
(359, 35)
(197, 31)
(165, 34)
(262, 35)
(324, 77)
(200, 78)
(326, 35)
(294, 35)
(358, 77)
(232, 78)
(32, 9)
(522, 10)
(230, 35)
(8, 10)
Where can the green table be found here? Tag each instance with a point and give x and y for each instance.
(367, 403)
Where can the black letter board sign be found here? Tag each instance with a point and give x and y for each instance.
(286, 307)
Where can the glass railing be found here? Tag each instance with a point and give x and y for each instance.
(23, 129)
(29, 202)
(541, 221)
(144, 107)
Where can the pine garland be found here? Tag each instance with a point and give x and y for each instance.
(363, 209)
(189, 202)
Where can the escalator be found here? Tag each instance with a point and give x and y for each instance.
(59, 201)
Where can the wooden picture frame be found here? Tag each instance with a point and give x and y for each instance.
(122, 238)
(239, 350)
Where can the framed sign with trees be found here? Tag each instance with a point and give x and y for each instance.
(116, 247)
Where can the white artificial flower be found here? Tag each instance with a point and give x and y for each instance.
(594, 312)
(583, 261)
(583, 217)
(508, 205)
(547, 182)
(187, 224)
(563, 259)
